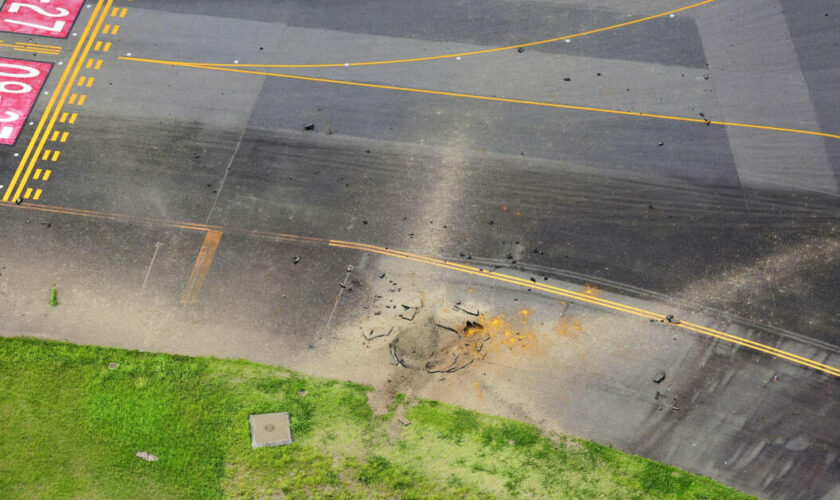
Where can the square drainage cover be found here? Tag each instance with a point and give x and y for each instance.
(270, 429)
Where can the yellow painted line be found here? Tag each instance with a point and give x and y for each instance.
(55, 136)
(114, 12)
(63, 117)
(56, 154)
(80, 54)
(73, 98)
(635, 114)
(98, 65)
(90, 81)
(89, 64)
(474, 52)
(123, 12)
(106, 30)
(201, 267)
(97, 46)
(37, 174)
(82, 99)
(81, 82)
(107, 47)
(73, 117)
(594, 301)
(66, 76)
(47, 174)
(463, 268)
(116, 29)
(28, 193)
(37, 195)
(64, 136)
(46, 154)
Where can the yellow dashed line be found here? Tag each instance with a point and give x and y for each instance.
(114, 11)
(37, 174)
(89, 63)
(37, 195)
(81, 82)
(106, 29)
(73, 118)
(97, 46)
(107, 47)
(82, 99)
(98, 65)
(28, 193)
(116, 29)
(73, 98)
(123, 12)
(46, 155)
(54, 136)
(64, 136)
(63, 117)
(47, 174)
(56, 154)
(90, 81)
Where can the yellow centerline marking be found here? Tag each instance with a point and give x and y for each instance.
(51, 113)
(591, 300)
(474, 52)
(484, 97)
(463, 268)
(201, 267)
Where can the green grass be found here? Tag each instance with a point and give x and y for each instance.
(69, 428)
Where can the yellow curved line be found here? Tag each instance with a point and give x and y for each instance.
(470, 53)
(481, 97)
(750, 344)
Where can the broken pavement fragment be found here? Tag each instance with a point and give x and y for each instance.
(146, 456)
(659, 377)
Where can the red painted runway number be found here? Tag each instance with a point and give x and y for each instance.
(40, 17)
(20, 84)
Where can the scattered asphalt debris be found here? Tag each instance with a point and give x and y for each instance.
(670, 319)
(532, 279)
(309, 126)
(18, 201)
(296, 260)
(520, 49)
(382, 275)
(567, 79)
(364, 222)
(459, 308)
(491, 222)
(342, 285)
(597, 74)
(372, 335)
(659, 377)
(660, 143)
(705, 76)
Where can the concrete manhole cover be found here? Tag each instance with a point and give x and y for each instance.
(270, 429)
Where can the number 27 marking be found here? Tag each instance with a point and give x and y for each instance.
(58, 26)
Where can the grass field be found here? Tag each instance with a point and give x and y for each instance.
(70, 428)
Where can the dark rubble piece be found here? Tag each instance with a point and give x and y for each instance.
(659, 377)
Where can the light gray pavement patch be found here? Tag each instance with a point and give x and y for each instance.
(757, 78)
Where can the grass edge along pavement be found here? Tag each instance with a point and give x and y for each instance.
(72, 417)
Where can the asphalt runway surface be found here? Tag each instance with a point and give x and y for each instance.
(669, 156)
